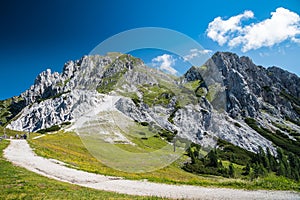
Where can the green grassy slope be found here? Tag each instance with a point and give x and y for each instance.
(18, 183)
(68, 148)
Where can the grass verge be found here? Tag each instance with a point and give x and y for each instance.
(18, 183)
(68, 148)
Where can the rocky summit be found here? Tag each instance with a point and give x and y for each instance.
(228, 98)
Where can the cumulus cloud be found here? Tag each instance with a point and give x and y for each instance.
(195, 53)
(281, 26)
(165, 63)
(220, 30)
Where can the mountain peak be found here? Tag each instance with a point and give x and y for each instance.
(121, 83)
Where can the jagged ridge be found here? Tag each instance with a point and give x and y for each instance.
(271, 96)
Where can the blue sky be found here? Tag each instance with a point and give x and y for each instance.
(36, 35)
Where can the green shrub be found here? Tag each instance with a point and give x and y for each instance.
(168, 135)
(278, 139)
(65, 123)
(50, 129)
(232, 153)
(136, 101)
(237, 124)
(144, 123)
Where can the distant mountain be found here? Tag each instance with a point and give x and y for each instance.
(229, 97)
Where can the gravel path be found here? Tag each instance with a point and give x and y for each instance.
(20, 153)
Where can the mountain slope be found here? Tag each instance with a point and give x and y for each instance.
(217, 100)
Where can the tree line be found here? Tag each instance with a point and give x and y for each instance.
(285, 163)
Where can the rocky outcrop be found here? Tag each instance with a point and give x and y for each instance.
(230, 88)
(250, 88)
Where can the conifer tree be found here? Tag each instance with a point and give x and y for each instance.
(272, 162)
(231, 172)
(213, 158)
(281, 169)
(247, 170)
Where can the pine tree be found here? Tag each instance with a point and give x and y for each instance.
(272, 162)
(220, 164)
(260, 154)
(281, 169)
(255, 173)
(193, 152)
(296, 176)
(288, 171)
(264, 159)
(259, 170)
(293, 160)
(280, 154)
(213, 158)
(231, 172)
(246, 170)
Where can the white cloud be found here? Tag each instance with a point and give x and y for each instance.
(165, 63)
(219, 30)
(195, 53)
(283, 25)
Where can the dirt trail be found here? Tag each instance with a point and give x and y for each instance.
(20, 153)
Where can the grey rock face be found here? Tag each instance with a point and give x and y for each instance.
(245, 90)
(251, 88)
(68, 107)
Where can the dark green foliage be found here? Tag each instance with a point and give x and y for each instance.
(280, 155)
(281, 134)
(9, 108)
(278, 138)
(295, 101)
(66, 123)
(294, 162)
(144, 123)
(250, 121)
(286, 129)
(287, 165)
(281, 169)
(207, 165)
(136, 101)
(233, 153)
(256, 165)
(282, 165)
(193, 152)
(212, 159)
(168, 135)
(263, 159)
(262, 163)
(50, 129)
(237, 124)
(290, 97)
(231, 171)
(246, 170)
(272, 160)
(258, 170)
(293, 121)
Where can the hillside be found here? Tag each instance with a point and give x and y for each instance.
(117, 99)
(271, 96)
